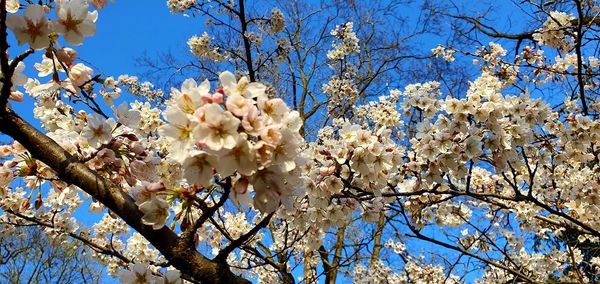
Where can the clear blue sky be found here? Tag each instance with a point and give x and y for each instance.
(126, 29)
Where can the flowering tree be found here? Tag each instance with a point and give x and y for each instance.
(29, 256)
(225, 182)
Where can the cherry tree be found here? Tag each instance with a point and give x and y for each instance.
(29, 255)
(296, 159)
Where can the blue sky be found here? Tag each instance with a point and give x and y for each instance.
(127, 29)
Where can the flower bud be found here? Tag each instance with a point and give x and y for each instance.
(241, 185)
(67, 55)
(38, 202)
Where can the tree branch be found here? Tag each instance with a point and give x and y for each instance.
(71, 170)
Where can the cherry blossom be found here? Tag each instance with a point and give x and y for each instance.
(32, 27)
(12, 6)
(126, 116)
(217, 128)
(48, 66)
(139, 273)
(198, 167)
(155, 212)
(243, 87)
(75, 21)
(17, 79)
(286, 173)
(179, 131)
(190, 97)
(98, 130)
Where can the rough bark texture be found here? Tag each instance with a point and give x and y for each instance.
(181, 254)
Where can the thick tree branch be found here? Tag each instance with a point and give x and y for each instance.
(69, 169)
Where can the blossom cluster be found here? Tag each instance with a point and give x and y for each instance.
(345, 43)
(276, 22)
(140, 273)
(342, 93)
(180, 6)
(444, 52)
(349, 161)
(555, 31)
(132, 85)
(200, 47)
(238, 132)
(73, 20)
(382, 113)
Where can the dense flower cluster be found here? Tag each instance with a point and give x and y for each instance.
(239, 132)
(180, 6)
(383, 113)
(132, 85)
(276, 22)
(377, 272)
(200, 47)
(556, 31)
(341, 91)
(345, 43)
(140, 273)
